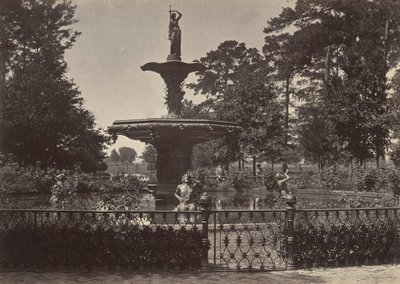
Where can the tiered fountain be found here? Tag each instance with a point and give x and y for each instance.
(173, 136)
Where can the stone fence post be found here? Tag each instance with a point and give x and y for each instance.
(204, 202)
(291, 211)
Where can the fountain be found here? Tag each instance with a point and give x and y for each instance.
(173, 136)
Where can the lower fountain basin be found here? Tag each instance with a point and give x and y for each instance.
(174, 139)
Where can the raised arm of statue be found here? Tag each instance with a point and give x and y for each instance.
(174, 19)
(179, 14)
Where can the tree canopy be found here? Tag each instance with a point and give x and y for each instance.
(238, 87)
(149, 155)
(343, 51)
(45, 121)
(114, 156)
(127, 154)
(333, 55)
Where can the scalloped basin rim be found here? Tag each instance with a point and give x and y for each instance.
(175, 120)
(161, 131)
(173, 65)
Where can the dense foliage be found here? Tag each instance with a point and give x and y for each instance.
(120, 192)
(45, 122)
(127, 154)
(237, 87)
(16, 179)
(346, 244)
(149, 155)
(334, 59)
(95, 246)
(71, 189)
(339, 54)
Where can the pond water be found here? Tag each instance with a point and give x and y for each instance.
(257, 198)
(42, 200)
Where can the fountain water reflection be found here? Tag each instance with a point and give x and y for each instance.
(218, 205)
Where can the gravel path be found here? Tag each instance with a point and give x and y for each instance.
(364, 274)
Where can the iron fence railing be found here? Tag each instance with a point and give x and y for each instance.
(248, 239)
(43, 238)
(220, 239)
(348, 236)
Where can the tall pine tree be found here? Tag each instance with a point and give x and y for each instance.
(348, 48)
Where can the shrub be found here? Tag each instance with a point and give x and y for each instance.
(270, 181)
(343, 243)
(335, 178)
(122, 194)
(395, 154)
(95, 245)
(237, 180)
(19, 179)
(305, 180)
(372, 180)
(394, 182)
(204, 176)
(234, 179)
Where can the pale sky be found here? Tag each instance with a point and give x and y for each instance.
(118, 36)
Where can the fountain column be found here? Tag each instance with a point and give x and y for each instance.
(172, 161)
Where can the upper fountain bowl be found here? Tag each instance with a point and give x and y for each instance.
(171, 67)
(195, 130)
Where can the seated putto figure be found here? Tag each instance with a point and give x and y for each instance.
(186, 194)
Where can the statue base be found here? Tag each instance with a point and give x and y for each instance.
(173, 57)
(165, 197)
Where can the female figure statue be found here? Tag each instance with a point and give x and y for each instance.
(174, 34)
(282, 178)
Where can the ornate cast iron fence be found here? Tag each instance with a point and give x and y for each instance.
(333, 237)
(285, 239)
(248, 239)
(239, 239)
(48, 238)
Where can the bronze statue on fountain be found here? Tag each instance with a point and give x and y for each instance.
(174, 71)
(174, 35)
(173, 136)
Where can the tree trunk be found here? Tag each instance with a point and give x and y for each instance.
(385, 42)
(327, 63)
(272, 163)
(287, 102)
(319, 163)
(351, 167)
(254, 166)
(3, 50)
